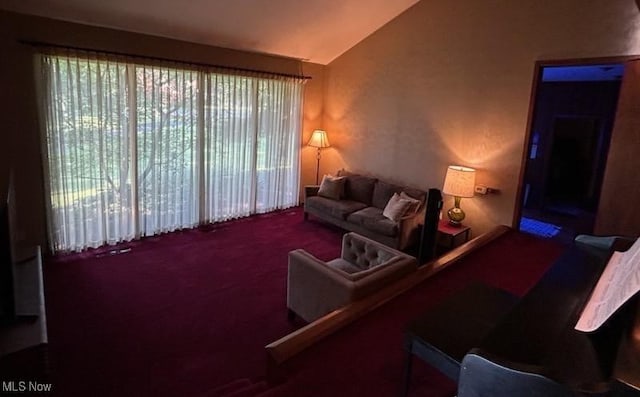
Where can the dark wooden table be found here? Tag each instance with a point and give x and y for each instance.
(443, 335)
(449, 237)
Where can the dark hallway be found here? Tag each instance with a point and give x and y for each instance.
(573, 117)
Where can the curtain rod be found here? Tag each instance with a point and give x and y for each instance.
(160, 59)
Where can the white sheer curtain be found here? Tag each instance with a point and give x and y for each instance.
(279, 112)
(230, 146)
(89, 151)
(168, 168)
(251, 155)
(134, 150)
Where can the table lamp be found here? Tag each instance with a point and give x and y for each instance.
(459, 182)
(318, 140)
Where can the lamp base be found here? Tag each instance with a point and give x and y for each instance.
(456, 216)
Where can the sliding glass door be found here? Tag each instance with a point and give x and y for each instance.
(251, 156)
(277, 150)
(134, 150)
(167, 110)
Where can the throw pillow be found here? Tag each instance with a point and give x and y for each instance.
(332, 187)
(415, 203)
(396, 207)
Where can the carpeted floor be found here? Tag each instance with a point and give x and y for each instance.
(185, 313)
(178, 314)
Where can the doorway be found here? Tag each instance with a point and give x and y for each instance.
(573, 115)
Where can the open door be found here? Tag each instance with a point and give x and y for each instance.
(571, 119)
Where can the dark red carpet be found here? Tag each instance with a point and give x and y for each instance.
(189, 312)
(179, 314)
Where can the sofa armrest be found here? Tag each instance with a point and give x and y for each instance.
(311, 190)
(407, 228)
(313, 288)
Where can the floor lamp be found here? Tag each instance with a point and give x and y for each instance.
(318, 140)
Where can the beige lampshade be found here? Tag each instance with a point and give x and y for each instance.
(459, 181)
(319, 139)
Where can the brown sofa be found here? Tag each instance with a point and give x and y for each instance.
(360, 210)
(316, 288)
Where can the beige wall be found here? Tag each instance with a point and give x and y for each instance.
(313, 110)
(19, 134)
(449, 83)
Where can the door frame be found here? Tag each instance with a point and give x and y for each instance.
(537, 74)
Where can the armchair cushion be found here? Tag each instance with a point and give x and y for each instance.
(343, 265)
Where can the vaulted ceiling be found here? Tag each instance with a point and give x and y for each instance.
(313, 30)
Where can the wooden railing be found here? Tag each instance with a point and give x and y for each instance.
(283, 349)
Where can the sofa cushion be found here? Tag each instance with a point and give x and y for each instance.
(332, 187)
(358, 187)
(415, 193)
(336, 208)
(396, 207)
(383, 191)
(372, 219)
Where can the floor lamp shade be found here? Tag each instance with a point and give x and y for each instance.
(459, 182)
(318, 140)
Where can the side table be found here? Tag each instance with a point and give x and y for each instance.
(449, 237)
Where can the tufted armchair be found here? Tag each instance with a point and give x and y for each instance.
(315, 288)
